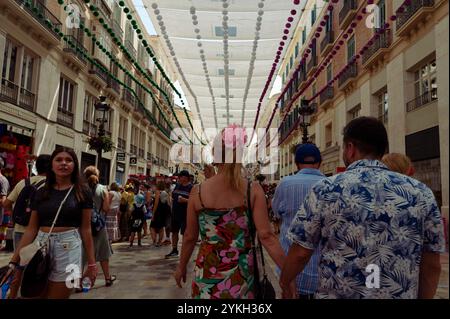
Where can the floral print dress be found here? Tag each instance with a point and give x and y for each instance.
(224, 265)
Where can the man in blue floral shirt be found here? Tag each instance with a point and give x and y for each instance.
(380, 232)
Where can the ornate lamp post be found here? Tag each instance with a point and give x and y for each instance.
(101, 108)
(306, 110)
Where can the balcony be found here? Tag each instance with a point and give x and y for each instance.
(347, 77)
(326, 97)
(327, 43)
(73, 53)
(347, 12)
(121, 144)
(117, 29)
(98, 73)
(9, 91)
(133, 149)
(128, 97)
(104, 8)
(415, 12)
(27, 99)
(114, 85)
(302, 79)
(422, 100)
(43, 16)
(130, 48)
(89, 128)
(141, 153)
(149, 156)
(312, 65)
(378, 49)
(65, 117)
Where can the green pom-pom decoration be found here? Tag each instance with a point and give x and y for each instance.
(61, 2)
(98, 43)
(104, 50)
(96, 14)
(121, 3)
(101, 20)
(64, 38)
(60, 34)
(92, 8)
(35, 10)
(126, 10)
(27, 4)
(138, 31)
(87, 1)
(129, 16)
(133, 22)
(140, 37)
(134, 27)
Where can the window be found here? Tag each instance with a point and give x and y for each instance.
(329, 73)
(18, 86)
(313, 15)
(425, 80)
(382, 14)
(65, 102)
(134, 141)
(291, 61)
(304, 36)
(351, 48)
(383, 106)
(329, 23)
(297, 47)
(123, 128)
(354, 113)
(314, 89)
(149, 148)
(329, 135)
(312, 138)
(141, 143)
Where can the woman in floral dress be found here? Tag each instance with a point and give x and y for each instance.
(217, 210)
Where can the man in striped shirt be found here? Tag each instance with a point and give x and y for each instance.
(287, 200)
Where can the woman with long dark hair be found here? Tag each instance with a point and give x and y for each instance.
(161, 210)
(73, 225)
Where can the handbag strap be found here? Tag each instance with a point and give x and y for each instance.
(59, 210)
(253, 231)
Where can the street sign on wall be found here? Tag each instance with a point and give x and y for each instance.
(133, 160)
(120, 157)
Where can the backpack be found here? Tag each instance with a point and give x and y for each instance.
(98, 221)
(22, 207)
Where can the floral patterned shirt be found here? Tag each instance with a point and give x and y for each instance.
(369, 218)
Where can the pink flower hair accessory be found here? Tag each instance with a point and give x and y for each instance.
(234, 135)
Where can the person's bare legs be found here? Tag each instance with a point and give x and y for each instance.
(160, 236)
(175, 241)
(105, 267)
(139, 238)
(153, 234)
(131, 239)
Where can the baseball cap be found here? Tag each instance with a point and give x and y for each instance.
(183, 173)
(307, 150)
(139, 200)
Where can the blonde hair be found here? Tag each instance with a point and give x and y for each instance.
(91, 170)
(233, 171)
(397, 162)
(92, 180)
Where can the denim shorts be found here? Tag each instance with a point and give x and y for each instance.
(65, 254)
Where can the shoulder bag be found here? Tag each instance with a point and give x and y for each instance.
(36, 259)
(98, 220)
(263, 287)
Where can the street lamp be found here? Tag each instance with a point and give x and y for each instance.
(101, 109)
(306, 110)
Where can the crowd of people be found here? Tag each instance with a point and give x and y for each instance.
(334, 231)
(321, 232)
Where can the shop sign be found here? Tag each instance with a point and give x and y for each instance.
(120, 168)
(120, 157)
(133, 160)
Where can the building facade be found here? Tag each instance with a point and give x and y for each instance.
(49, 88)
(401, 78)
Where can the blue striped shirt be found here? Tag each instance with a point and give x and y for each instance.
(286, 202)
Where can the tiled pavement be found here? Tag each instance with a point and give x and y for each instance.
(143, 273)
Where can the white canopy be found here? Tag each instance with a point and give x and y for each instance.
(223, 51)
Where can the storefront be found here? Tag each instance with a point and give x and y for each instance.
(16, 151)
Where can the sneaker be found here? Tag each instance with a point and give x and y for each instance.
(173, 254)
(166, 242)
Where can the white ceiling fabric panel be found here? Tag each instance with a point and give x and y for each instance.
(224, 49)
